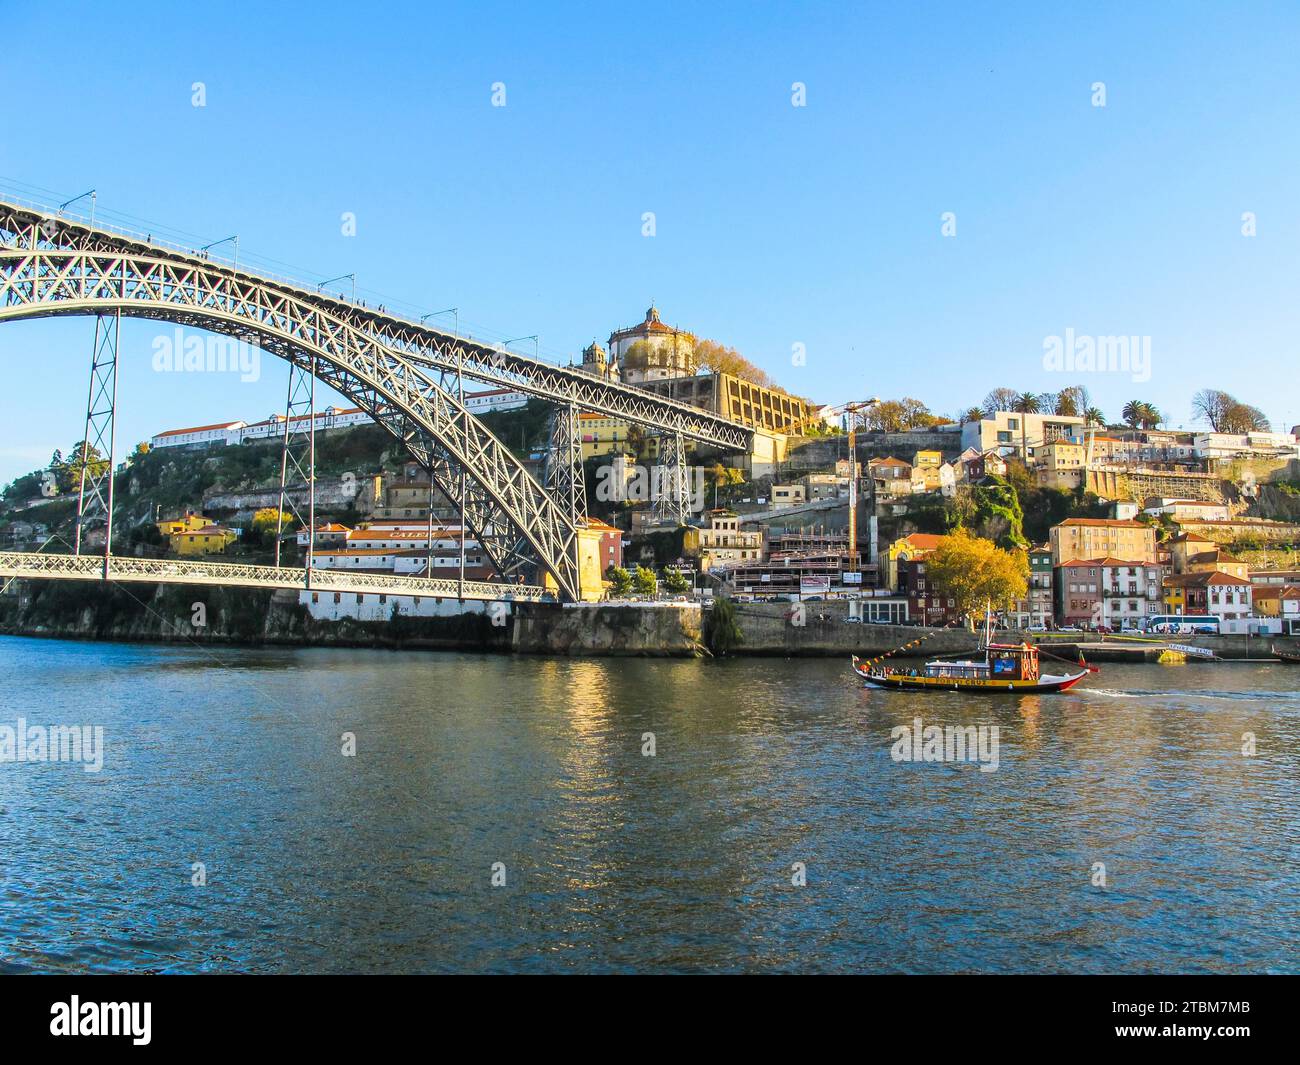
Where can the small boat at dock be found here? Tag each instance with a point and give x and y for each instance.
(1287, 658)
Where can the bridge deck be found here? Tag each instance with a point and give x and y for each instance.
(193, 571)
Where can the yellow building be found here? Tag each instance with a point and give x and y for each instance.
(1083, 538)
(190, 523)
(603, 435)
(926, 466)
(1192, 553)
(904, 549)
(592, 562)
(209, 540)
(1060, 464)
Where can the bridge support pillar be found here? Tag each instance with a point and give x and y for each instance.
(98, 444)
(298, 461)
(564, 474)
(564, 478)
(672, 494)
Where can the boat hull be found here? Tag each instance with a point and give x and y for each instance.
(983, 686)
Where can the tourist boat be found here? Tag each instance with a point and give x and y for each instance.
(1003, 668)
(1285, 657)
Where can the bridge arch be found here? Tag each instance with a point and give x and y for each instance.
(50, 267)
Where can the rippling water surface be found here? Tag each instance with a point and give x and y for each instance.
(615, 861)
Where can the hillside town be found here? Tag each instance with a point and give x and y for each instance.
(1116, 525)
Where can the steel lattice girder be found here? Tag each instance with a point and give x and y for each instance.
(565, 479)
(435, 348)
(95, 492)
(33, 565)
(46, 281)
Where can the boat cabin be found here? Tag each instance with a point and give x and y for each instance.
(1003, 661)
(1010, 661)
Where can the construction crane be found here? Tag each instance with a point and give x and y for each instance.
(850, 411)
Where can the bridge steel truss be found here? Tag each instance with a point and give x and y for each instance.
(564, 477)
(516, 520)
(95, 484)
(394, 369)
(127, 569)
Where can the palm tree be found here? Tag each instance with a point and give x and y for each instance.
(1094, 416)
(1139, 414)
(1025, 403)
(972, 414)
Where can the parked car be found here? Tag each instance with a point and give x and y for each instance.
(851, 620)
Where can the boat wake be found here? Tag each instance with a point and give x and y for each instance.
(1249, 696)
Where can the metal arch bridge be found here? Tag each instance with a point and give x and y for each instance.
(394, 369)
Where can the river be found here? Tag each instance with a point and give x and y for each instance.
(772, 829)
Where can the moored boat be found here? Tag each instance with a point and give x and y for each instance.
(1286, 657)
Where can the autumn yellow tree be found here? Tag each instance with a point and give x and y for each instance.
(718, 358)
(973, 571)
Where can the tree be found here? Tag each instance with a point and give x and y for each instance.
(1241, 418)
(644, 581)
(1000, 399)
(721, 631)
(635, 440)
(1025, 403)
(1138, 414)
(620, 579)
(899, 415)
(264, 522)
(1258, 422)
(1072, 401)
(971, 414)
(1212, 405)
(676, 581)
(68, 474)
(718, 358)
(974, 572)
(1094, 416)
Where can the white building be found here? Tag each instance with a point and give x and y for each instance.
(1227, 446)
(1130, 591)
(494, 399)
(272, 428)
(652, 350)
(371, 606)
(1187, 509)
(197, 436)
(1008, 431)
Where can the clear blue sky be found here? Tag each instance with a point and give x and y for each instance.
(776, 225)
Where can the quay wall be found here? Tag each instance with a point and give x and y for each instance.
(163, 613)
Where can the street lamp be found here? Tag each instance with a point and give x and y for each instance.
(446, 310)
(536, 349)
(223, 240)
(93, 196)
(342, 277)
